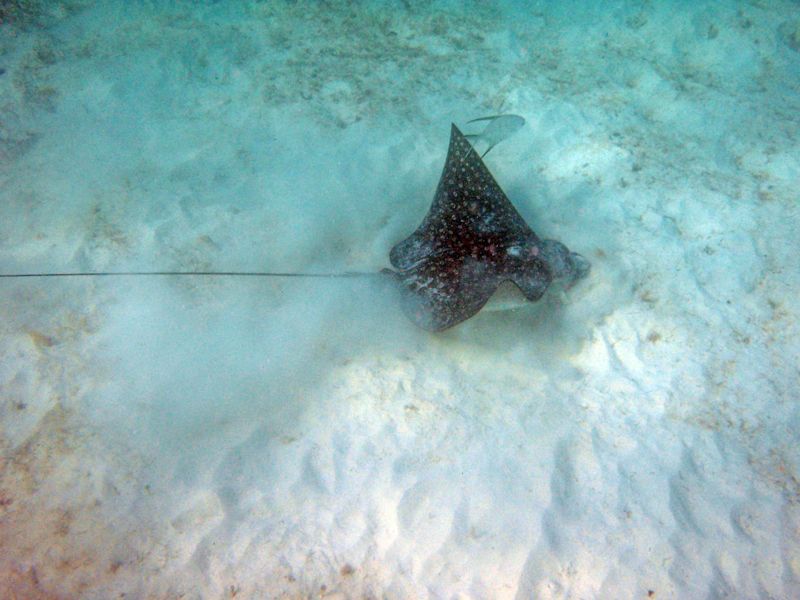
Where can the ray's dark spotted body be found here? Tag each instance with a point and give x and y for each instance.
(471, 241)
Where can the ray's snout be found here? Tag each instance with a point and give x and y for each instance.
(567, 267)
(580, 264)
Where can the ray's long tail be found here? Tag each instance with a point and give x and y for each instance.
(188, 274)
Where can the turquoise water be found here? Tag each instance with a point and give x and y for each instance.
(633, 436)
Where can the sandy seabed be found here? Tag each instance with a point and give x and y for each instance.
(636, 437)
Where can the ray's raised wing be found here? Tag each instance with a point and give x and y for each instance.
(468, 201)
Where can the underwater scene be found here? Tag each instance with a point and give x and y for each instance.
(399, 299)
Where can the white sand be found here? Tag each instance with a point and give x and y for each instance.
(296, 439)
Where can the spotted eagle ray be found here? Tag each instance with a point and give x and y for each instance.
(471, 241)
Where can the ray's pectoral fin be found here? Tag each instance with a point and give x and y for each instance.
(441, 292)
(533, 281)
(421, 304)
(410, 251)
